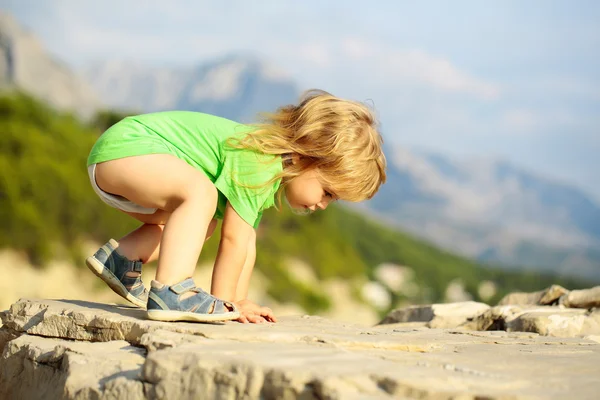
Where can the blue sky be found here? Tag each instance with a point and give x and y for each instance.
(517, 80)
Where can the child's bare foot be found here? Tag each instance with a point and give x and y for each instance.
(121, 274)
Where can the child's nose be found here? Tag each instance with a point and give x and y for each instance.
(322, 205)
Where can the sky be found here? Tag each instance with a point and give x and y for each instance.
(511, 80)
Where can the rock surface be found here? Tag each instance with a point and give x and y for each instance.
(544, 297)
(585, 298)
(437, 315)
(82, 350)
(556, 295)
(544, 312)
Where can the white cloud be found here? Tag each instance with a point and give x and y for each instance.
(544, 121)
(520, 121)
(355, 48)
(415, 65)
(315, 55)
(440, 73)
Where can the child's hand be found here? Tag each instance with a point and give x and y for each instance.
(251, 312)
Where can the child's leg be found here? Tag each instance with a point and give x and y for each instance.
(144, 242)
(113, 261)
(163, 182)
(167, 183)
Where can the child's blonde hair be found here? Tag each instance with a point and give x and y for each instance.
(336, 136)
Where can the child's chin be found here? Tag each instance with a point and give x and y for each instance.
(297, 210)
(290, 205)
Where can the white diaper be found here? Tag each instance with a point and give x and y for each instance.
(116, 201)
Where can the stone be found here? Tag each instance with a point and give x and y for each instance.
(81, 320)
(456, 292)
(99, 351)
(448, 315)
(544, 320)
(376, 294)
(6, 336)
(486, 290)
(547, 296)
(395, 277)
(586, 298)
(494, 318)
(593, 338)
(35, 367)
(163, 339)
(557, 322)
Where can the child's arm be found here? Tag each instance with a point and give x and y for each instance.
(234, 264)
(241, 295)
(244, 282)
(233, 248)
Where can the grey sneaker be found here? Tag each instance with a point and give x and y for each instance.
(112, 268)
(165, 304)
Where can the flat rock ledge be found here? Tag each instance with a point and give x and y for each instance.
(65, 349)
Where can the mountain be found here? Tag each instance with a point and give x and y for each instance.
(25, 65)
(493, 211)
(235, 87)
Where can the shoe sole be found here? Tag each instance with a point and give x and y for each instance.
(171, 316)
(111, 280)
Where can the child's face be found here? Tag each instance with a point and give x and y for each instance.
(306, 192)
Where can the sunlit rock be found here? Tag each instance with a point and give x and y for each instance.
(82, 350)
(486, 290)
(395, 277)
(547, 296)
(376, 294)
(586, 298)
(456, 292)
(437, 315)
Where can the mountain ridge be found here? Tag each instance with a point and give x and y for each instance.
(26, 66)
(233, 86)
(492, 211)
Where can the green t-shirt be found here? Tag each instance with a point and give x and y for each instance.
(199, 139)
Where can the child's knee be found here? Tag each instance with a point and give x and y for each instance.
(201, 191)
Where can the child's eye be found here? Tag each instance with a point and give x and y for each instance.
(327, 194)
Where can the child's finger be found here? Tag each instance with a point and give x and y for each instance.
(256, 319)
(266, 311)
(272, 318)
(268, 314)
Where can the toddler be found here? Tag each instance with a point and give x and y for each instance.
(178, 172)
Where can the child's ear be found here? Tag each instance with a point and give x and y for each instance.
(295, 158)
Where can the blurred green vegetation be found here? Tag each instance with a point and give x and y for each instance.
(47, 207)
(45, 202)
